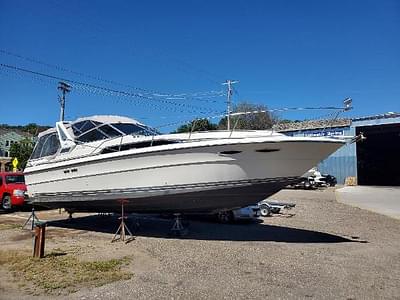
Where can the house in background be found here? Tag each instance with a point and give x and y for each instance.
(7, 138)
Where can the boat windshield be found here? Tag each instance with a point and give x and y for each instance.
(89, 130)
(46, 145)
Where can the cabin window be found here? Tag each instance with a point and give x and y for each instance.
(134, 129)
(50, 146)
(46, 145)
(92, 135)
(65, 150)
(110, 131)
(89, 131)
(125, 147)
(83, 126)
(38, 147)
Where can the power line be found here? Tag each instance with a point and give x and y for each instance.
(109, 91)
(198, 96)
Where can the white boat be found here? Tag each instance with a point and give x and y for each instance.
(93, 163)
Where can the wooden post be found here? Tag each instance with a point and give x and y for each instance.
(39, 242)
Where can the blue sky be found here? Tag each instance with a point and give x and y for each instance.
(284, 53)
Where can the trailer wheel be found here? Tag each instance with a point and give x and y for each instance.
(265, 211)
(307, 185)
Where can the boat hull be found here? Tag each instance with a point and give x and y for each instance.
(194, 179)
(195, 199)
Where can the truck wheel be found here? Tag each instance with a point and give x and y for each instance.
(265, 211)
(225, 217)
(6, 203)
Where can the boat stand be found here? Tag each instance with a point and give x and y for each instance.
(69, 212)
(178, 229)
(122, 228)
(32, 218)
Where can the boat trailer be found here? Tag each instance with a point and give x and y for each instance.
(271, 207)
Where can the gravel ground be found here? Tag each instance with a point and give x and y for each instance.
(322, 249)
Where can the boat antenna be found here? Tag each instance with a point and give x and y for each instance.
(347, 105)
(64, 88)
(229, 83)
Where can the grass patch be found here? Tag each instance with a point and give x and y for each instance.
(9, 226)
(62, 273)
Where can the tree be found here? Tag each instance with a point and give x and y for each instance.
(199, 125)
(32, 128)
(22, 150)
(252, 121)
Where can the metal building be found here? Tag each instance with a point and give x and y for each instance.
(374, 161)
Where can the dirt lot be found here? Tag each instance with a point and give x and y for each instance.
(325, 250)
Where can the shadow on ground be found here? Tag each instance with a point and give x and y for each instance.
(201, 230)
(24, 208)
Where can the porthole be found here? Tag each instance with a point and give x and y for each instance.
(230, 152)
(265, 150)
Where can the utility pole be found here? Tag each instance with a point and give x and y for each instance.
(64, 88)
(229, 95)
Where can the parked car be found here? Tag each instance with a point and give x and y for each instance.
(305, 184)
(244, 213)
(12, 189)
(313, 179)
(330, 180)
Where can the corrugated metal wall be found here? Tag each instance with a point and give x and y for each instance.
(342, 163)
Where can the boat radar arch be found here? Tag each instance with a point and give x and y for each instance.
(66, 140)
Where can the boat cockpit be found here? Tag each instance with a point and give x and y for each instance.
(86, 130)
(90, 130)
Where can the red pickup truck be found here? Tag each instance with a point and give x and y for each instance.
(12, 189)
